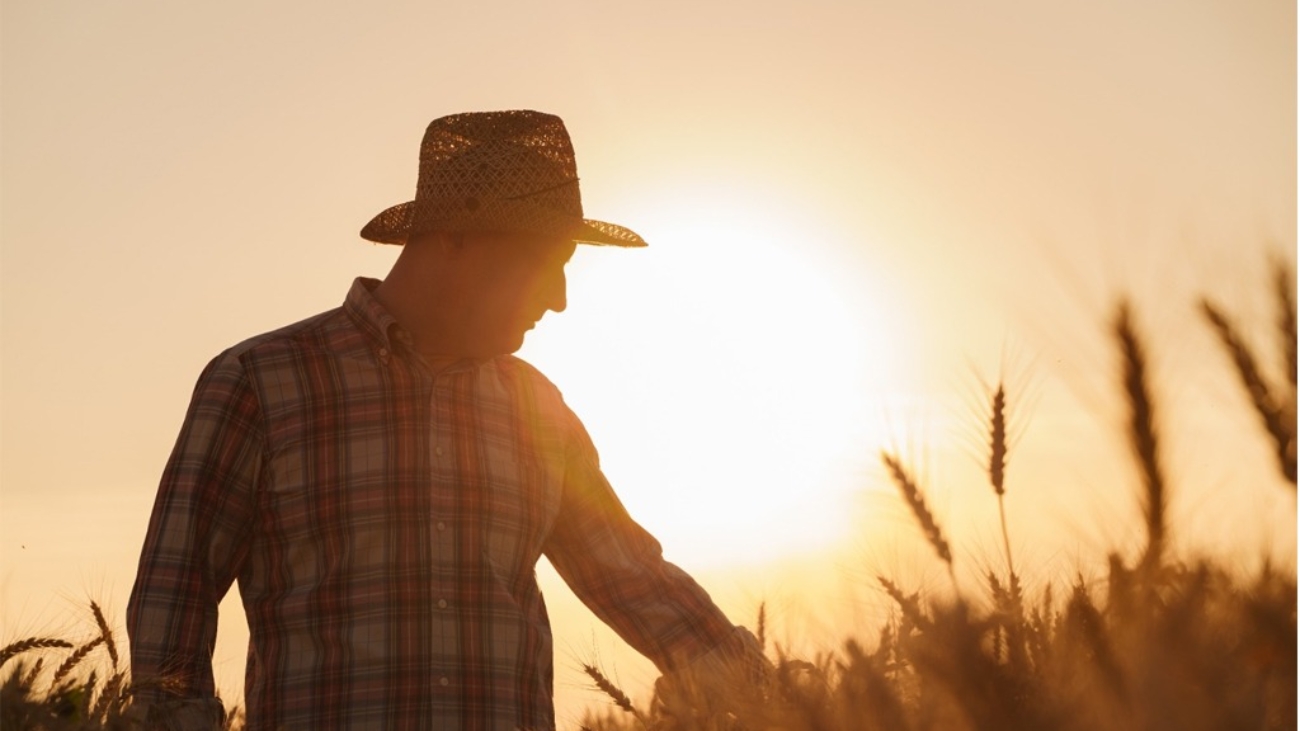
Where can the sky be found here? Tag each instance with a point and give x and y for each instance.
(860, 215)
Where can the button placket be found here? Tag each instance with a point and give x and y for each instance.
(440, 504)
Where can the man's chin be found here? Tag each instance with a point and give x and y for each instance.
(519, 342)
(509, 346)
(502, 344)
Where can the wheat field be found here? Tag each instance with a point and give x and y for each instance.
(1162, 643)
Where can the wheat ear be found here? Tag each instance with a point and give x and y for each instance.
(1261, 397)
(909, 605)
(31, 643)
(607, 687)
(1284, 290)
(106, 633)
(998, 464)
(109, 696)
(915, 499)
(1142, 433)
(76, 657)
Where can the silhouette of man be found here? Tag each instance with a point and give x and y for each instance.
(382, 478)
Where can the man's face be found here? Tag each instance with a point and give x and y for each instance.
(513, 280)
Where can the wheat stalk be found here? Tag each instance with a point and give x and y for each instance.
(31, 643)
(76, 657)
(608, 687)
(1142, 433)
(110, 695)
(1276, 423)
(909, 605)
(998, 464)
(1284, 289)
(1001, 597)
(106, 633)
(83, 694)
(998, 441)
(1089, 627)
(916, 501)
(29, 679)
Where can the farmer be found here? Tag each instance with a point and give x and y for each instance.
(382, 478)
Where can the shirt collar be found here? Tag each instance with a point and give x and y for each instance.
(382, 329)
(377, 323)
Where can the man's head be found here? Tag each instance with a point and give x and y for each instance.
(496, 215)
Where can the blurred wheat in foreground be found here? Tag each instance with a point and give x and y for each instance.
(1163, 645)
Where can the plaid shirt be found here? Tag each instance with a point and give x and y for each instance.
(383, 522)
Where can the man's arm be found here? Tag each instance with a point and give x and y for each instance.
(197, 540)
(617, 569)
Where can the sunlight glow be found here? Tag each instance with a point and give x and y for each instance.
(726, 374)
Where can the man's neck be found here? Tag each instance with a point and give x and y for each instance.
(420, 311)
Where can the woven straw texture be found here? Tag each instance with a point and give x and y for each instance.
(511, 171)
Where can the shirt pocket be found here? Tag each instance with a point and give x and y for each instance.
(523, 499)
(331, 515)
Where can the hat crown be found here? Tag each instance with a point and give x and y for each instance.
(472, 159)
(510, 171)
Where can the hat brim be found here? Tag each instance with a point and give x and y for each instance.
(394, 225)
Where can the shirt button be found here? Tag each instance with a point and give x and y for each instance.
(442, 603)
(444, 682)
(442, 525)
(437, 451)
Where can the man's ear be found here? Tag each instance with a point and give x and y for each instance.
(453, 244)
(445, 243)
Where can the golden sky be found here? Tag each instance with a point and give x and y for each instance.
(856, 211)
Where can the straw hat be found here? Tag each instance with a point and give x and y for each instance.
(496, 171)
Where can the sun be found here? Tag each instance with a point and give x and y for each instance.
(726, 374)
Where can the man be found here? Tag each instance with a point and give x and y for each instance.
(382, 478)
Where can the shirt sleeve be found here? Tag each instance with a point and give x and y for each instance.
(197, 540)
(617, 569)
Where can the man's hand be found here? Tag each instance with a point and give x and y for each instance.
(727, 684)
